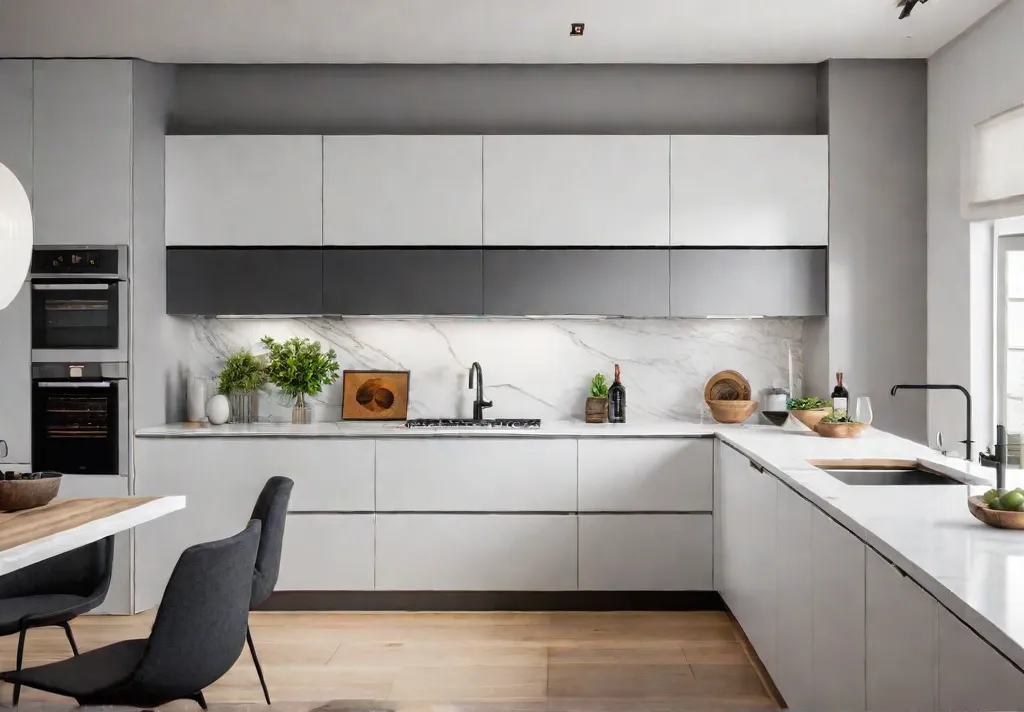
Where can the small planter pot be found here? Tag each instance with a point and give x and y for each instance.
(245, 407)
(301, 413)
(597, 410)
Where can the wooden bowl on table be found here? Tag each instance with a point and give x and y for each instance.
(28, 494)
(731, 411)
(994, 517)
(810, 418)
(839, 430)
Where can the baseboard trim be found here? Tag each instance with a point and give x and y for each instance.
(494, 601)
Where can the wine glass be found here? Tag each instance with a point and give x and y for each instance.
(862, 410)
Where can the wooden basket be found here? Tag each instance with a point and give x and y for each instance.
(27, 494)
(810, 418)
(732, 411)
(840, 430)
(994, 517)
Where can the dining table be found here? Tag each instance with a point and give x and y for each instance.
(28, 536)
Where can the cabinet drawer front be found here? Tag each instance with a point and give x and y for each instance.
(576, 281)
(403, 190)
(244, 190)
(645, 552)
(476, 552)
(789, 282)
(576, 190)
(327, 552)
(645, 474)
(485, 475)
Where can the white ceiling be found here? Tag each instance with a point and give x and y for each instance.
(480, 31)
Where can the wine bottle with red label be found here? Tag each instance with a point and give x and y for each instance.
(840, 396)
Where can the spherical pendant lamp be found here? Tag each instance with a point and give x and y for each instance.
(15, 235)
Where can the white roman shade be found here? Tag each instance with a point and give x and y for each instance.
(996, 175)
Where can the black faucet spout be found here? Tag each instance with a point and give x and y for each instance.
(476, 375)
(942, 387)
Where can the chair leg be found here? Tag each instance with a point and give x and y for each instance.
(71, 638)
(256, 662)
(198, 697)
(21, 654)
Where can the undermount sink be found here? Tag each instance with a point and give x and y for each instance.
(515, 423)
(880, 476)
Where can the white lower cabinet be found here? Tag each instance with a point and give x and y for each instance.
(327, 552)
(972, 674)
(838, 616)
(793, 670)
(476, 552)
(901, 643)
(645, 552)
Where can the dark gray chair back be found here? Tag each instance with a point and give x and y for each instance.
(84, 572)
(200, 626)
(271, 510)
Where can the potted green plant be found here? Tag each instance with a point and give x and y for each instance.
(809, 410)
(300, 368)
(597, 403)
(241, 379)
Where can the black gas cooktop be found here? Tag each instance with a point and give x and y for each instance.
(470, 423)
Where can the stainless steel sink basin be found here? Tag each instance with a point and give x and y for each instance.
(881, 476)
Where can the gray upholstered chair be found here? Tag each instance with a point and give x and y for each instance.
(197, 636)
(271, 510)
(53, 592)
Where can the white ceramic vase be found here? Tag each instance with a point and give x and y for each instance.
(218, 410)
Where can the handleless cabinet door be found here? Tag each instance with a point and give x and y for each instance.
(576, 190)
(576, 281)
(645, 552)
(82, 152)
(16, 119)
(972, 674)
(16, 363)
(785, 282)
(749, 190)
(403, 281)
(403, 190)
(794, 661)
(327, 552)
(244, 281)
(247, 191)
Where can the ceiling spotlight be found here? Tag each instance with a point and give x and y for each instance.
(908, 6)
(576, 28)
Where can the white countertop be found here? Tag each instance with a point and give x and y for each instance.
(355, 429)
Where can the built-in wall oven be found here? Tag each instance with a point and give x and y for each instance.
(80, 418)
(79, 304)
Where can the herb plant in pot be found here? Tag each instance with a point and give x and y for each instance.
(240, 380)
(300, 368)
(597, 403)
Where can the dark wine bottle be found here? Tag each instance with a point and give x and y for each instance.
(617, 399)
(840, 396)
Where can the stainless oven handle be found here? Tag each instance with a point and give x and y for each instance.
(73, 384)
(71, 287)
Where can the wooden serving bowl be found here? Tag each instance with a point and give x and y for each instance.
(727, 385)
(810, 418)
(731, 411)
(27, 494)
(994, 517)
(839, 430)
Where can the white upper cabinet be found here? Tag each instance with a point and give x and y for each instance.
(750, 190)
(576, 190)
(16, 119)
(403, 190)
(82, 152)
(252, 191)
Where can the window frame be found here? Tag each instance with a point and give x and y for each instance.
(1004, 245)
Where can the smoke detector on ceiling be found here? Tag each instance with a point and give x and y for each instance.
(908, 6)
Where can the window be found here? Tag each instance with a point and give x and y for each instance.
(996, 187)
(1010, 333)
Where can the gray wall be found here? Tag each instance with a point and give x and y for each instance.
(876, 329)
(495, 99)
(977, 75)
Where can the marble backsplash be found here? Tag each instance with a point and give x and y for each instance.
(535, 368)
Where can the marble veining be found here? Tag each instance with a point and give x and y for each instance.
(533, 368)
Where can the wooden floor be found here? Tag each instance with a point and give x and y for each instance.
(587, 661)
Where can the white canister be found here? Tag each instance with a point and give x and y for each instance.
(775, 400)
(218, 410)
(195, 399)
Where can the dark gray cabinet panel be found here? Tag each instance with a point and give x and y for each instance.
(750, 282)
(576, 281)
(403, 281)
(244, 281)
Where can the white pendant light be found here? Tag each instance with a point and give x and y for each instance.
(15, 235)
